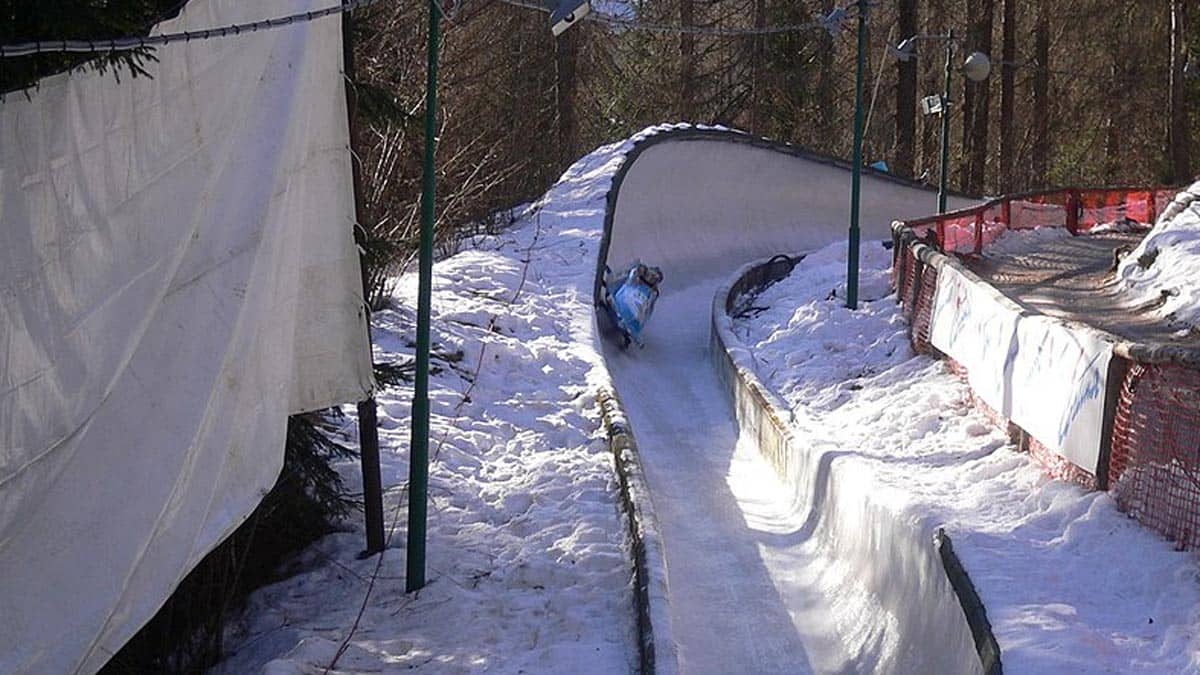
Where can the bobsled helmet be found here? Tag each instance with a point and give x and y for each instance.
(651, 275)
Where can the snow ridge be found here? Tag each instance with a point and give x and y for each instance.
(1163, 269)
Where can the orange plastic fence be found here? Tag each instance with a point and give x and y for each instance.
(969, 231)
(1153, 465)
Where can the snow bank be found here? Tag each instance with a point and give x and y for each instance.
(1070, 584)
(1162, 271)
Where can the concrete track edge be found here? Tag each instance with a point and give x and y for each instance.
(764, 416)
(656, 648)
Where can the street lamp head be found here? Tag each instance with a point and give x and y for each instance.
(835, 22)
(977, 67)
(905, 50)
(567, 13)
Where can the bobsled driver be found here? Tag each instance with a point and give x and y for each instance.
(629, 299)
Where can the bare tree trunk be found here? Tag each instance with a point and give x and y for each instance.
(1112, 129)
(687, 61)
(906, 93)
(966, 102)
(980, 111)
(566, 52)
(825, 81)
(1041, 95)
(758, 66)
(1008, 69)
(930, 74)
(1178, 138)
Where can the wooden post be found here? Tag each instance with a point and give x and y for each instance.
(1118, 368)
(1072, 207)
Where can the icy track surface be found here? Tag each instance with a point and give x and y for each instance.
(1071, 585)
(744, 597)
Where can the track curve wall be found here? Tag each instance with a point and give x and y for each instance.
(909, 567)
(700, 203)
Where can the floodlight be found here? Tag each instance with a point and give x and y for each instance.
(567, 14)
(835, 22)
(977, 67)
(905, 50)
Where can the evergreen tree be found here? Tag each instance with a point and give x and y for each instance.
(33, 20)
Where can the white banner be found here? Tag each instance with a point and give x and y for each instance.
(1048, 378)
(177, 274)
(971, 325)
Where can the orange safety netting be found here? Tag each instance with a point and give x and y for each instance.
(916, 283)
(1153, 465)
(969, 231)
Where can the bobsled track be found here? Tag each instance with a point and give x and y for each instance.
(790, 578)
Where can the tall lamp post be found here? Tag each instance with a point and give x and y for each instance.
(564, 14)
(856, 162)
(976, 68)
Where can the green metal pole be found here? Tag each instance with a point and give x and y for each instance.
(418, 468)
(945, 169)
(856, 169)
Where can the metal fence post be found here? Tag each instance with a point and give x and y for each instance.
(368, 434)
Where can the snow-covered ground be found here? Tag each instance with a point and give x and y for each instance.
(529, 570)
(1071, 585)
(528, 565)
(1166, 265)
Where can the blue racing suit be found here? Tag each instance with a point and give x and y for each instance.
(632, 301)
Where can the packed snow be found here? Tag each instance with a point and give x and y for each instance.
(1024, 241)
(528, 566)
(1071, 585)
(1164, 268)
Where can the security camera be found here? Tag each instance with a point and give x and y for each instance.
(932, 105)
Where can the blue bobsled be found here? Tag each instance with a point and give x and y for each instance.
(629, 300)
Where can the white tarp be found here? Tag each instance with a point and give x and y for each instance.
(177, 274)
(1043, 375)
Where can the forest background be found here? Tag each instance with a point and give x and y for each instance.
(1081, 93)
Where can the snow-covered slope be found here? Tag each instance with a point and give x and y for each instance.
(528, 566)
(1164, 269)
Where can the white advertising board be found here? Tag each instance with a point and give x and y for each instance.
(1046, 376)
